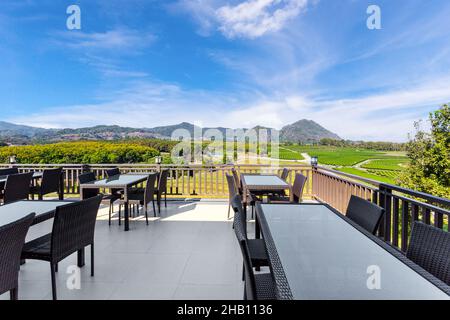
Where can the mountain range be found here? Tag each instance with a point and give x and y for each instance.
(305, 131)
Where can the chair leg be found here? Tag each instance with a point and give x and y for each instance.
(92, 259)
(229, 208)
(120, 208)
(154, 208)
(165, 199)
(14, 294)
(109, 217)
(56, 267)
(146, 213)
(243, 272)
(52, 271)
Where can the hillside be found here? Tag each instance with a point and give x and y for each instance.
(303, 130)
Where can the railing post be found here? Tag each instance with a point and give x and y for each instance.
(385, 201)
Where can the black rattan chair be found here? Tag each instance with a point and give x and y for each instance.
(143, 198)
(297, 190)
(429, 247)
(257, 248)
(73, 230)
(258, 286)
(108, 199)
(162, 188)
(112, 172)
(364, 213)
(237, 181)
(285, 174)
(17, 187)
(232, 191)
(51, 180)
(12, 238)
(8, 171)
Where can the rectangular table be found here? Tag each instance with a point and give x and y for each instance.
(122, 181)
(264, 183)
(36, 175)
(44, 210)
(316, 253)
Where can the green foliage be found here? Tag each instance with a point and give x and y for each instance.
(80, 152)
(429, 152)
(370, 145)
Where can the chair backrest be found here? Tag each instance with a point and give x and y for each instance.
(239, 230)
(232, 190)
(239, 214)
(51, 179)
(162, 183)
(8, 171)
(12, 238)
(17, 187)
(364, 213)
(299, 186)
(237, 181)
(429, 247)
(74, 227)
(112, 172)
(285, 173)
(85, 178)
(150, 188)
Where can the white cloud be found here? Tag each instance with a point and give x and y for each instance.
(117, 39)
(387, 116)
(254, 18)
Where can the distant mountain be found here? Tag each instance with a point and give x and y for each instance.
(300, 131)
(305, 131)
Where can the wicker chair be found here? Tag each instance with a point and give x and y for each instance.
(285, 174)
(257, 286)
(112, 172)
(257, 248)
(237, 181)
(162, 188)
(364, 213)
(232, 191)
(12, 238)
(143, 198)
(51, 179)
(429, 247)
(73, 230)
(6, 172)
(17, 187)
(108, 199)
(297, 190)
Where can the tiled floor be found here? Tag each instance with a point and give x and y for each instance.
(190, 252)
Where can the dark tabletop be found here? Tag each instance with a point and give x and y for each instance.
(17, 210)
(36, 175)
(118, 181)
(325, 257)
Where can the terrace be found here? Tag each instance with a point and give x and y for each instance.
(189, 250)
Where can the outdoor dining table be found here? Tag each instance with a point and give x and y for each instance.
(263, 183)
(44, 210)
(317, 253)
(123, 182)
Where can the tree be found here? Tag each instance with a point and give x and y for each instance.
(429, 152)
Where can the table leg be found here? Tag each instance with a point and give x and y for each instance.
(80, 258)
(126, 216)
(257, 229)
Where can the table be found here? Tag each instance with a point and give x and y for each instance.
(44, 210)
(317, 253)
(36, 176)
(122, 181)
(266, 183)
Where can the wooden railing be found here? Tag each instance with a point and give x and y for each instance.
(183, 181)
(402, 206)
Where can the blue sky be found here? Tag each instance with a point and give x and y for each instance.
(145, 63)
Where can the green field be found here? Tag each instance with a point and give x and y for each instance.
(339, 156)
(369, 175)
(395, 164)
(287, 154)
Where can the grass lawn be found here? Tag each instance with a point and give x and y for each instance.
(369, 175)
